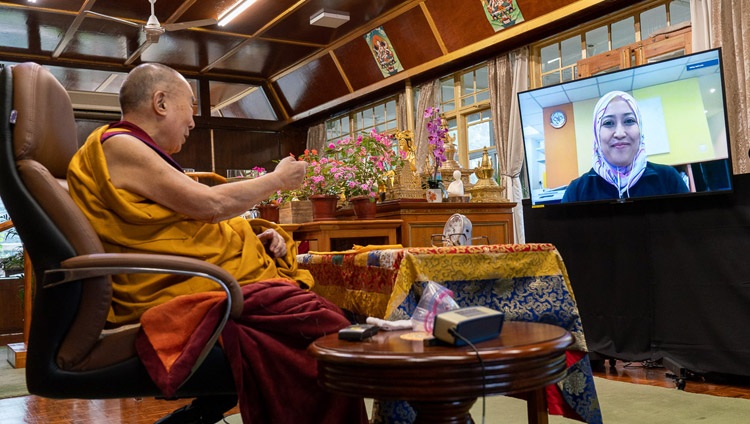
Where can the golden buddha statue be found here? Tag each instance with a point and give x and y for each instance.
(405, 182)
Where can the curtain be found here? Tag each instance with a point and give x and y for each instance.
(730, 30)
(700, 21)
(427, 98)
(508, 75)
(316, 137)
(401, 114)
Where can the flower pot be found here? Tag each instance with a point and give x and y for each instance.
(323, 207)
(269, 212)
(434, 195)
(364, 207)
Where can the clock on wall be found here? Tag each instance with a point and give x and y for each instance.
(557, 119)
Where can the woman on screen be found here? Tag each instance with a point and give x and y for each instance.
(620, 168)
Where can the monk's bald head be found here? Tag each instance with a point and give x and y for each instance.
(143, 81)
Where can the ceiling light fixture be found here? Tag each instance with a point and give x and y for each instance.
(234, 11)
(329, 18)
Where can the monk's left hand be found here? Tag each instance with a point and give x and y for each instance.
(273, 242)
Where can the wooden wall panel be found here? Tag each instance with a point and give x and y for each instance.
(535, 8)
(459, 29)
(311, 85)
(358, 63)
(412, 38)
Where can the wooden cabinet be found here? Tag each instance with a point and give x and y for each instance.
(422, 219)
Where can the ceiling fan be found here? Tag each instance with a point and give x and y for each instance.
(153, 28)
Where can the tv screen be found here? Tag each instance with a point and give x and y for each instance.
(654, 130)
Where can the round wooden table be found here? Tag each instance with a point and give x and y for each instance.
(442, 382)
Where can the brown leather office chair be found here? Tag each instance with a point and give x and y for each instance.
(69, 354)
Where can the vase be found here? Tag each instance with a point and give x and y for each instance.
(323, 207)
(434, 195)
(269, 212)
(364, 207)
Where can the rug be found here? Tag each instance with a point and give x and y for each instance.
(623, 403)
(12, 380)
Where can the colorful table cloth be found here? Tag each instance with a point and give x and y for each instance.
(528, 282)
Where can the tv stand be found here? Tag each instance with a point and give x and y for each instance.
(677, 372)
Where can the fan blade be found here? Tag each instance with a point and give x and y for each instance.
(190, 24)
(112, 18)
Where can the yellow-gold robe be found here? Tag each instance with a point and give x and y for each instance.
(129, 223)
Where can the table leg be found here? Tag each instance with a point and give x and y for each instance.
(453, 412)
(536, 407)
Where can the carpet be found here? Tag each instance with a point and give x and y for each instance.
(624, 403)
(12, 380)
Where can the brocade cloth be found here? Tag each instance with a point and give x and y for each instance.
(527, 282)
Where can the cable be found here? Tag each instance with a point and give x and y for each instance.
(456, 334)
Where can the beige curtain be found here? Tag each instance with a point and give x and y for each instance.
(427, 98)
(508, 75)
(316, 137)
(700, 22)
(730, 30)
(401, 115)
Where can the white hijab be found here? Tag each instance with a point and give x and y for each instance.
(622, 177)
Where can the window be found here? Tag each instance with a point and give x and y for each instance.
(380, 116)
(607, 44)
(465, 105)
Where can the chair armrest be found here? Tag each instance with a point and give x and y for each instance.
(103, 264)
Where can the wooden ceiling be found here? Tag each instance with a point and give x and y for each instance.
(302, 70)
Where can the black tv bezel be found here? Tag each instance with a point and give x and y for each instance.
(728, 191)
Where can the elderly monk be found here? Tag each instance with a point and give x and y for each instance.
(139, 200)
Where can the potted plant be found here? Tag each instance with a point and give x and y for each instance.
(13, 264)
(436, 136)
(322, 184)
(366, 162)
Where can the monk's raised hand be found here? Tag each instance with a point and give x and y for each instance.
(290, 172)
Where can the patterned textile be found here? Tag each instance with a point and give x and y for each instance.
(359, 282)
(528, 282)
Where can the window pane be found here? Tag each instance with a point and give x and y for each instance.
(390, 111)
(473, 118)
(478, 135)
(567, 74)
(571, 50)
(345, 126)
(597, 41)
(482, 78)
(679, 11)
(623, 33)
(446, 90)
(550, 58)
(484, 95)
(467, 83)
(379, 114)
(550, 79)
(653, 20)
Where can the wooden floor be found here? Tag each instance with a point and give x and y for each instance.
(32, 409)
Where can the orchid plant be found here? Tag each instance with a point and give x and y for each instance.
(436, 137)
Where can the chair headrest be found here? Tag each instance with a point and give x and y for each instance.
(45, 129)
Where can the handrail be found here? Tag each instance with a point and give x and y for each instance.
(6, 225)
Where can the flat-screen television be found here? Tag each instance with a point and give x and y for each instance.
(650, 131)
